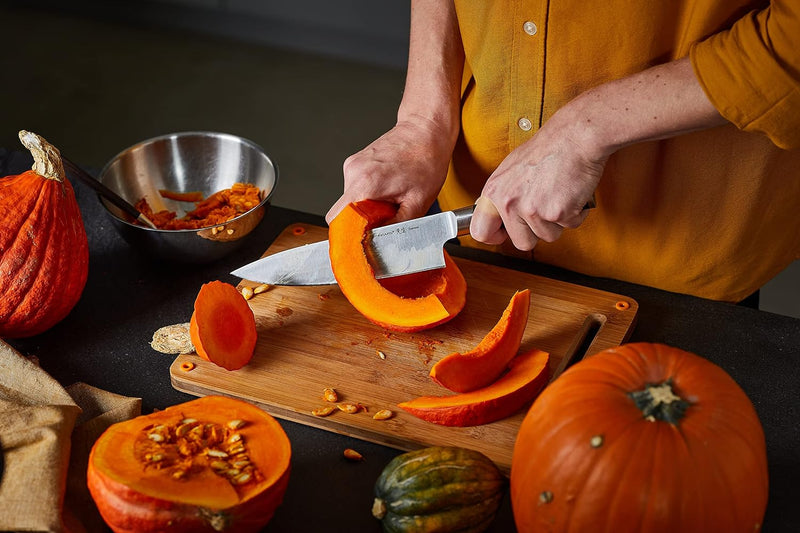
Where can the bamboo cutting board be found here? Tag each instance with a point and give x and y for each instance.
(310, 338)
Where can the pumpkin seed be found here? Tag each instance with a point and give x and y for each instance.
(353, 455)
(324, 410)
(330, 395)
(236, 437)
(236, 424)
(596, 441)
(241, 479)
(218, 465)
(347, 407)
(247, 292)
(156, 437)
(383, 414)
(217, 453)
(261, 288)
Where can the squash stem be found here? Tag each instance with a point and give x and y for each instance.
(659, 402)
(46, 157)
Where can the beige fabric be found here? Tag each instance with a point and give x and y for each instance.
(40, 423)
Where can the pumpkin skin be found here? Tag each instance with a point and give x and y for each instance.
(408, 303)
(479, 367)
(598, 451)
(44, 252)
(526, 377)
(133, 496)
(441, 489)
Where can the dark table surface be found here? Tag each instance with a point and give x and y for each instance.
(105, 342)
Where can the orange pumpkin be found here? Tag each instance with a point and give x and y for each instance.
(404, 303)
(44, 253)
(645, 438)
(211, 464)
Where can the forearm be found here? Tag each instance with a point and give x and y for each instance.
(658, 103)
(436, 59)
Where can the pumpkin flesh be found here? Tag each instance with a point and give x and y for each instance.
(223, 327)
(404, 303)
(610, 466)
(477, 368)
(136, 492)
(527, 376)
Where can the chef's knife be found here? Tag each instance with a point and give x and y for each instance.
(402, 248)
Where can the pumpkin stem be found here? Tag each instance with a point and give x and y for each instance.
(46, 157)
(659, 402)
(379, 508)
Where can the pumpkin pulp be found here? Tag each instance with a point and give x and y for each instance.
(404, 303)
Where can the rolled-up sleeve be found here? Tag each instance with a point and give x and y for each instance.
(751, 72)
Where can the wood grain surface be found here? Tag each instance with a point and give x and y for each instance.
(310, 338)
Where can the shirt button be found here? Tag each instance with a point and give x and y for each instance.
(530, 28)
(524, 124)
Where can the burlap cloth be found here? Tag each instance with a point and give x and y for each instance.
(46, 433)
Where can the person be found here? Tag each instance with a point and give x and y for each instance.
(681, 119)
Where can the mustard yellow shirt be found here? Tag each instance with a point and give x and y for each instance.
(711, 213)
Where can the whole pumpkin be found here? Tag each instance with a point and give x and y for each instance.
(44, 253)
(643, 437)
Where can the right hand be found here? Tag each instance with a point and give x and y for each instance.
(406, 166)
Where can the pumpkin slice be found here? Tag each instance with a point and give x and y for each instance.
(211, 464)
(526, 377)
(404, 303)
(223, 327)
(477, 368)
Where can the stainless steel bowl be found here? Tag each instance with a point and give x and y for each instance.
(184, 162)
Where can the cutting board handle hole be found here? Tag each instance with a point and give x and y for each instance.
(582, 344)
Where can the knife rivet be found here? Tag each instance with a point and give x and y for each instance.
(622, 305)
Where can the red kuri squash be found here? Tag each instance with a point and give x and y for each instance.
(44, 252)
(640, 438)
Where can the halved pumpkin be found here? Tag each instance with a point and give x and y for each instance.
(464, 372)
(527, 376)
(211, 464)
(404, 303)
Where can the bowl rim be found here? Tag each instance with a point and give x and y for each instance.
(192, 133)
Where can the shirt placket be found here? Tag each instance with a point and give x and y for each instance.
(527, 86)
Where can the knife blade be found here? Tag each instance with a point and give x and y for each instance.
(396, 249)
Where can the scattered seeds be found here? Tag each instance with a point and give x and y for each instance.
(349, 408)
(381, 354)
(596, 441)
(352, 455)
(261, 288)
(383, 414)
(247, 292)
(324, 410)
(330, 395)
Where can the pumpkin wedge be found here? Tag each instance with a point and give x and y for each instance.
(404, 303)
(526, 377)
(477, 368)
(211, 464)
(223, 327)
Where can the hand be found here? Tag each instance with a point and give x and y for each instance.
(538, 190)
(407, 166)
